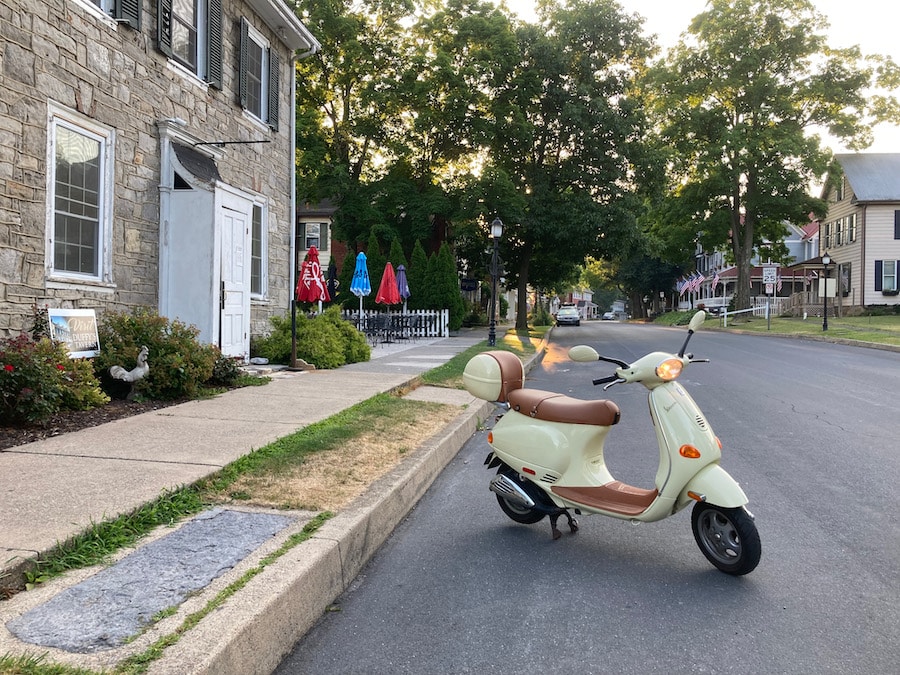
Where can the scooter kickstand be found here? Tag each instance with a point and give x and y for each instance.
(573, 524)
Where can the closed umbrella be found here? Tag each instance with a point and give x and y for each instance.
(332, 279)
(388, 293)
(402, 285)
(311, 285)
(361, 286)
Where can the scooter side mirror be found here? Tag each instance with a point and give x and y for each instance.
(583, 354)
(697, 320)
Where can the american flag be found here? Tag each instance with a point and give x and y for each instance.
(696, 280)
(778, 286)
(715, 281)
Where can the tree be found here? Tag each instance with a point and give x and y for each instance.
(738, 105)
(567, 130)
(417, 277)
(348, 104)
(444, 286)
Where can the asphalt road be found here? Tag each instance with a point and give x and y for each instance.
(809, 430)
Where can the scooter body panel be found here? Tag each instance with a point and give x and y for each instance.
(551, 453)
(716, 486)
(679, 422)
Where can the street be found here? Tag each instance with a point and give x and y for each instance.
(808, 429)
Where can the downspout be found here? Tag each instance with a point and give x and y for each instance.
(863, 271)
(292, 172)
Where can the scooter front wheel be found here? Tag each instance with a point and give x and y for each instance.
(727, 537)
(518, 512)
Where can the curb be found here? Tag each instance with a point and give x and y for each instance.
(258, 627)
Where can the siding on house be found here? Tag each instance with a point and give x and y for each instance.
(68, 58)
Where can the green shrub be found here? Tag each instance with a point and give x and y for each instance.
(276, 346)
(178, 362)
(356, 348)
(326, 341)
(226, 370)
(320, 343)
(38, 379)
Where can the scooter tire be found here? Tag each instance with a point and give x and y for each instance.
(517, 512)
(727, 537)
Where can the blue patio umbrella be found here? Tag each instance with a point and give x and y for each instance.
(361, 286)
(402, 285)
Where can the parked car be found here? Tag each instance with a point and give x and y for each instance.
(568, 315)
(609, 316)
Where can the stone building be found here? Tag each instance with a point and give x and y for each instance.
(147, 159)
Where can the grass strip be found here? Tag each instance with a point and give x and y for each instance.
(521, 343)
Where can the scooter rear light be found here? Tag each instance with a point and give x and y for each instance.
(530, 472)
(718, 442)
(491, 437)
(689, 451)
(669, 369)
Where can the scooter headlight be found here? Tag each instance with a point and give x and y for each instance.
(669, 369)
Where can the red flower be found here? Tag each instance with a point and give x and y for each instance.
(60, 366)
(9, 367)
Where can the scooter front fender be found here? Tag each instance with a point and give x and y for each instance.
(714, 485)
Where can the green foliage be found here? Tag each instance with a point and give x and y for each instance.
(38, 379)
(345, 298)
(326, 341)
(395, 255)
(178, 362)
(681, 318)
(355, 346)
(417, 277)
(276, 345)
(541, 317)
(443, 285)
(226, 370)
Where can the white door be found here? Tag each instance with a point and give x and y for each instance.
(234, 301)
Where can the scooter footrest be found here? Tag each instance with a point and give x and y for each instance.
(616, 497)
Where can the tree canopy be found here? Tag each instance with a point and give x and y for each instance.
(738, 104)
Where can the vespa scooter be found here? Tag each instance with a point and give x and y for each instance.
(548, 452)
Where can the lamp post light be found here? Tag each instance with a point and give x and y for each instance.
(496, 233)
(826, 261)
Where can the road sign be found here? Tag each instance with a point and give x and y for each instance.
(770, 275)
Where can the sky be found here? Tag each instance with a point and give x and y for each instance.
(852, 23)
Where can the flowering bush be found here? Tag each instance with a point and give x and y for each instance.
(38, 379)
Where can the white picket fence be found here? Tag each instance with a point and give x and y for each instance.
(420, 323)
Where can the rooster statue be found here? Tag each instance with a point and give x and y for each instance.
(120, 389)
(138, 372)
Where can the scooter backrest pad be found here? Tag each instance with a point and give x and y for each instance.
(492, 375)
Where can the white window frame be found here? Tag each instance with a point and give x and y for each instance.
(262, 75)
(889, 272)
(262, 237)
(59, 116)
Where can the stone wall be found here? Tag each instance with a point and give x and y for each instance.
(61, 52)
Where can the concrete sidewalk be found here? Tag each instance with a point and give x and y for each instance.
(54, 489)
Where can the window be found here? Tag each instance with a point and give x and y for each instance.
(826, 235)
(838, 232)
(851, 228)
(845, 276)
(79, 187)
(258, 268)
(313, 234)
(258, 76)
(886, 275)
(127, 12)
(190, 33)
(839, 190)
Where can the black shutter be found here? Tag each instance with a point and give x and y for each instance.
(128, 12)
(273, 89)
(323, 236)
(301, 235)
(214, 44)
(896, 224)
(878, 274)
(243, 57)
(164, 26)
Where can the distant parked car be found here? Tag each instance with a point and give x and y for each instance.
(568, 315)
(609, 316)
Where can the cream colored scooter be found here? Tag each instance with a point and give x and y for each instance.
(548, 451)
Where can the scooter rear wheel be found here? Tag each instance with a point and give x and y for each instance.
(727, 537)
(522, 514)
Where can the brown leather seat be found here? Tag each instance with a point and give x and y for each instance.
(552, 407)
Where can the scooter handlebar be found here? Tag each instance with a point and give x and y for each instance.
(605, 380)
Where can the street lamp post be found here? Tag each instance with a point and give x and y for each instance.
(826, 261)
(496, 233)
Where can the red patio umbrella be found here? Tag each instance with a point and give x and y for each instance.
(388, 293)
(311, 284)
